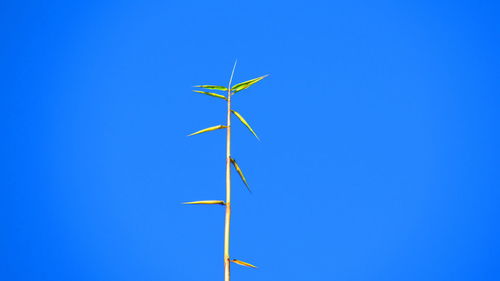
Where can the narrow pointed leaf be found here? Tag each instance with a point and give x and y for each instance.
(246, 84)
(212, 87)
(245, 123)
(207, 202)
(243, 263)
(208, 129)
(211, 94)
(237, 167)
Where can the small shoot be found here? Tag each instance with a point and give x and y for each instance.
(243, 263)
(238, 169)
(206, 202)
(245, 123)
(208, 130)
(245, 85)
(211, 94)
(213, 87)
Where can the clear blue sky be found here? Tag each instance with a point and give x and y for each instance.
(379, 123)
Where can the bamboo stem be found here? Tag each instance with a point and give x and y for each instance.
(227, 224)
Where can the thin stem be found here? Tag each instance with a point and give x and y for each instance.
(231, 79)
(227, 224)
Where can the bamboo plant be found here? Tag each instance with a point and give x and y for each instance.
(229, 91)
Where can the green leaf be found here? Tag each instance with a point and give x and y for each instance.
(237, 167)
(208, 130)
(207, 202)
(212, 87)
(211, 94)
(244, 85)
(245, 123)
(243, 263)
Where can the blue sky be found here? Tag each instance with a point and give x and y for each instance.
(379, 128)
